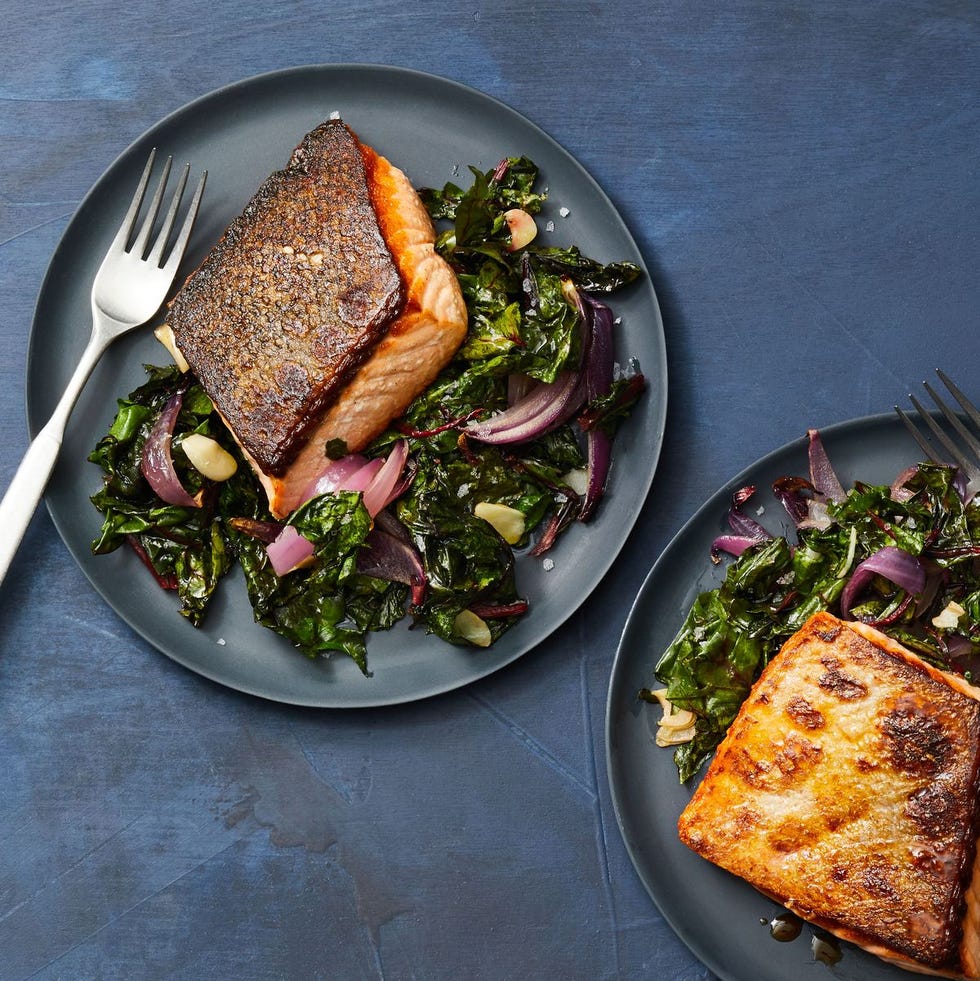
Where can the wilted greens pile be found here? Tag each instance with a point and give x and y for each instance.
(526, 327)
(904, 558)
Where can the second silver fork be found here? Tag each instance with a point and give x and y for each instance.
(966, 458)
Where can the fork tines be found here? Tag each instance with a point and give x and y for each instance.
(956, 451)
(139, 244)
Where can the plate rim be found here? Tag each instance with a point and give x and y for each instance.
(341, 70)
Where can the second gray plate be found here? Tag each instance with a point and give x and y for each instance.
(720, 917)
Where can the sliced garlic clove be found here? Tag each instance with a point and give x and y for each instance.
(674, 737)
(678, 719)
(948, 618)
(472, 628)
(677, 725)
(508, 521)
(522, 228)
(165, 335)
(209, 458)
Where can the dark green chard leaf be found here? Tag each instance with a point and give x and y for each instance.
(186, 547)
(586, 273)
(723, 644)
(514, 187)
(465, 559)
(608, 411)
(551, 339)
(198, 571)
(475, 217)
(374, 604)
(509, 185)
(308, 607)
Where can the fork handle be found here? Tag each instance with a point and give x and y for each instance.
(25, 491)
(27, 488)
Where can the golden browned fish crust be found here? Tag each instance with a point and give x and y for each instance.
(292, 299)
(846, 789)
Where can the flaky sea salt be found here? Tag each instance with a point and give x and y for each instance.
(220, 642)
(564, 212)
(548, 565)
(549, 226)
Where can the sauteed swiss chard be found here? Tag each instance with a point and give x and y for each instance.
(507, 450)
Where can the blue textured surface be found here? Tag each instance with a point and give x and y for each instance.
(803, 182)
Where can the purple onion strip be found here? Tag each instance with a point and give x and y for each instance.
(822, 474)
(544, 408)
(894, 564)
(733, 544)
(598, 369)
(157, 464)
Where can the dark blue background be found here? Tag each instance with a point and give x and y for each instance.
(803, 181)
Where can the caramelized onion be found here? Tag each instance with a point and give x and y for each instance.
(157, 464)
(894, 564)
(545, 407)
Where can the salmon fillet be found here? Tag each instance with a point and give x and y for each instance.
(321, 313)
(846, 789)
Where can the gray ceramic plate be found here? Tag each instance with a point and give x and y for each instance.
(433, 129)
(721, 918)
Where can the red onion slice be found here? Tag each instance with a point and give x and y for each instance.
(379, 482)
(361, 479)
(733, 544)
(794, 493)
(895, 564)
(739, 522)
(157, 464)
(289, 551)
(334, 475)
(378, 493)
(390, 554)
(518, 386)
(898, 490)
(598, 447)
(822, 474)
(545, 407)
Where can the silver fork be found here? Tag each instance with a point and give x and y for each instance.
(129, 288)
(968, 465)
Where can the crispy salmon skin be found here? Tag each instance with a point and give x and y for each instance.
(331, 264)
(846, 789)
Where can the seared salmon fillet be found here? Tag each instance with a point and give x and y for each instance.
(322, 311)
(846, 789)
